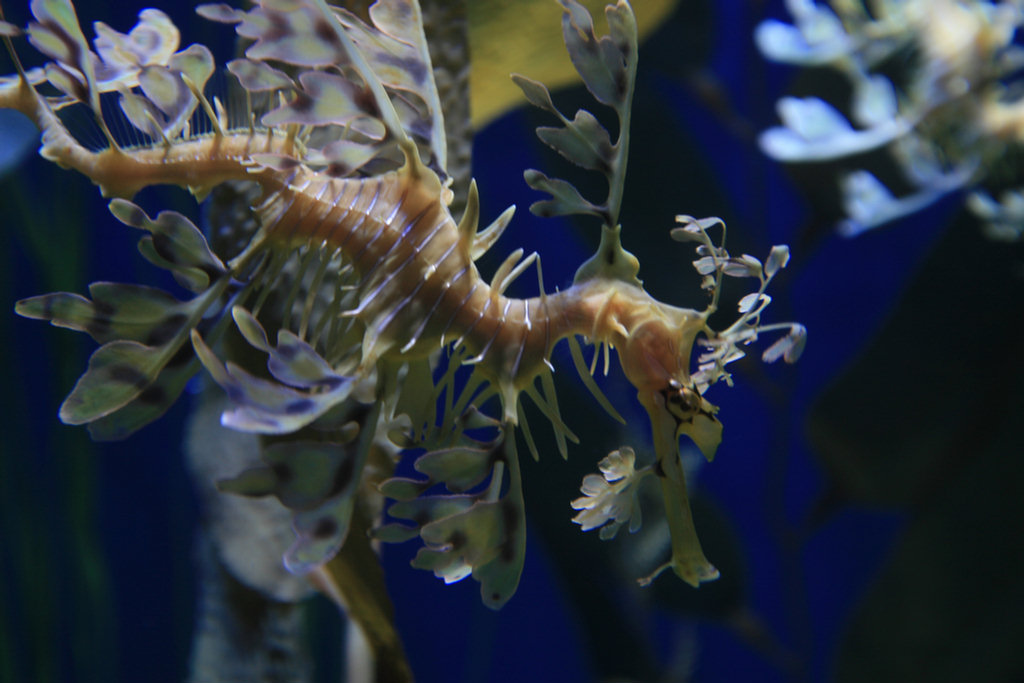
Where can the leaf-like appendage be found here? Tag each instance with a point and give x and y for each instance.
(536, 93)
(818, 37)
(251, 328)
(303, 475)
(374, 79)
(487, 539)
(256, 76)
(320, 534)
(152, 403)
(814, 130)
(566, 199)
(726, 346)
(609, 501)
(460, 468)
(118, 373)
(289, 32)
(778, 257)
(583, 141)
(429, 508)
(116, 311)
(603, 63)
(326, 99)
(151, 41)
(57, 34)
(402, 489)
(169, 94)
(221, 12)
(143, 365)
(295, 363)
(1004, 219)
(465, 536)
(344, 157)
(788, 347)
(292, 361)
(481, 533)
(171, 82)
(170, 88)
(744, 265)
(176, 244)
(607, 65)
(396, 49)
(319, 480)
(265, 407)
(143, 114)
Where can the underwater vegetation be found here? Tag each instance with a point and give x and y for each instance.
(860, 509)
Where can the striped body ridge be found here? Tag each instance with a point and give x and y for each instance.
(418, 285)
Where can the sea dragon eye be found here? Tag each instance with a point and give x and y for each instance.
(682, 402)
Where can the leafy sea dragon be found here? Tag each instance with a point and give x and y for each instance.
(947, 117)
(357, 279)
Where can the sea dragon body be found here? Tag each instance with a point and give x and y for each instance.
(371, 276)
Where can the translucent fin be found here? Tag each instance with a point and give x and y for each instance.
(266, 407)
(480, 534)
(588, 379)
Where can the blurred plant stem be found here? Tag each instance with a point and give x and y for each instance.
(61, 583)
